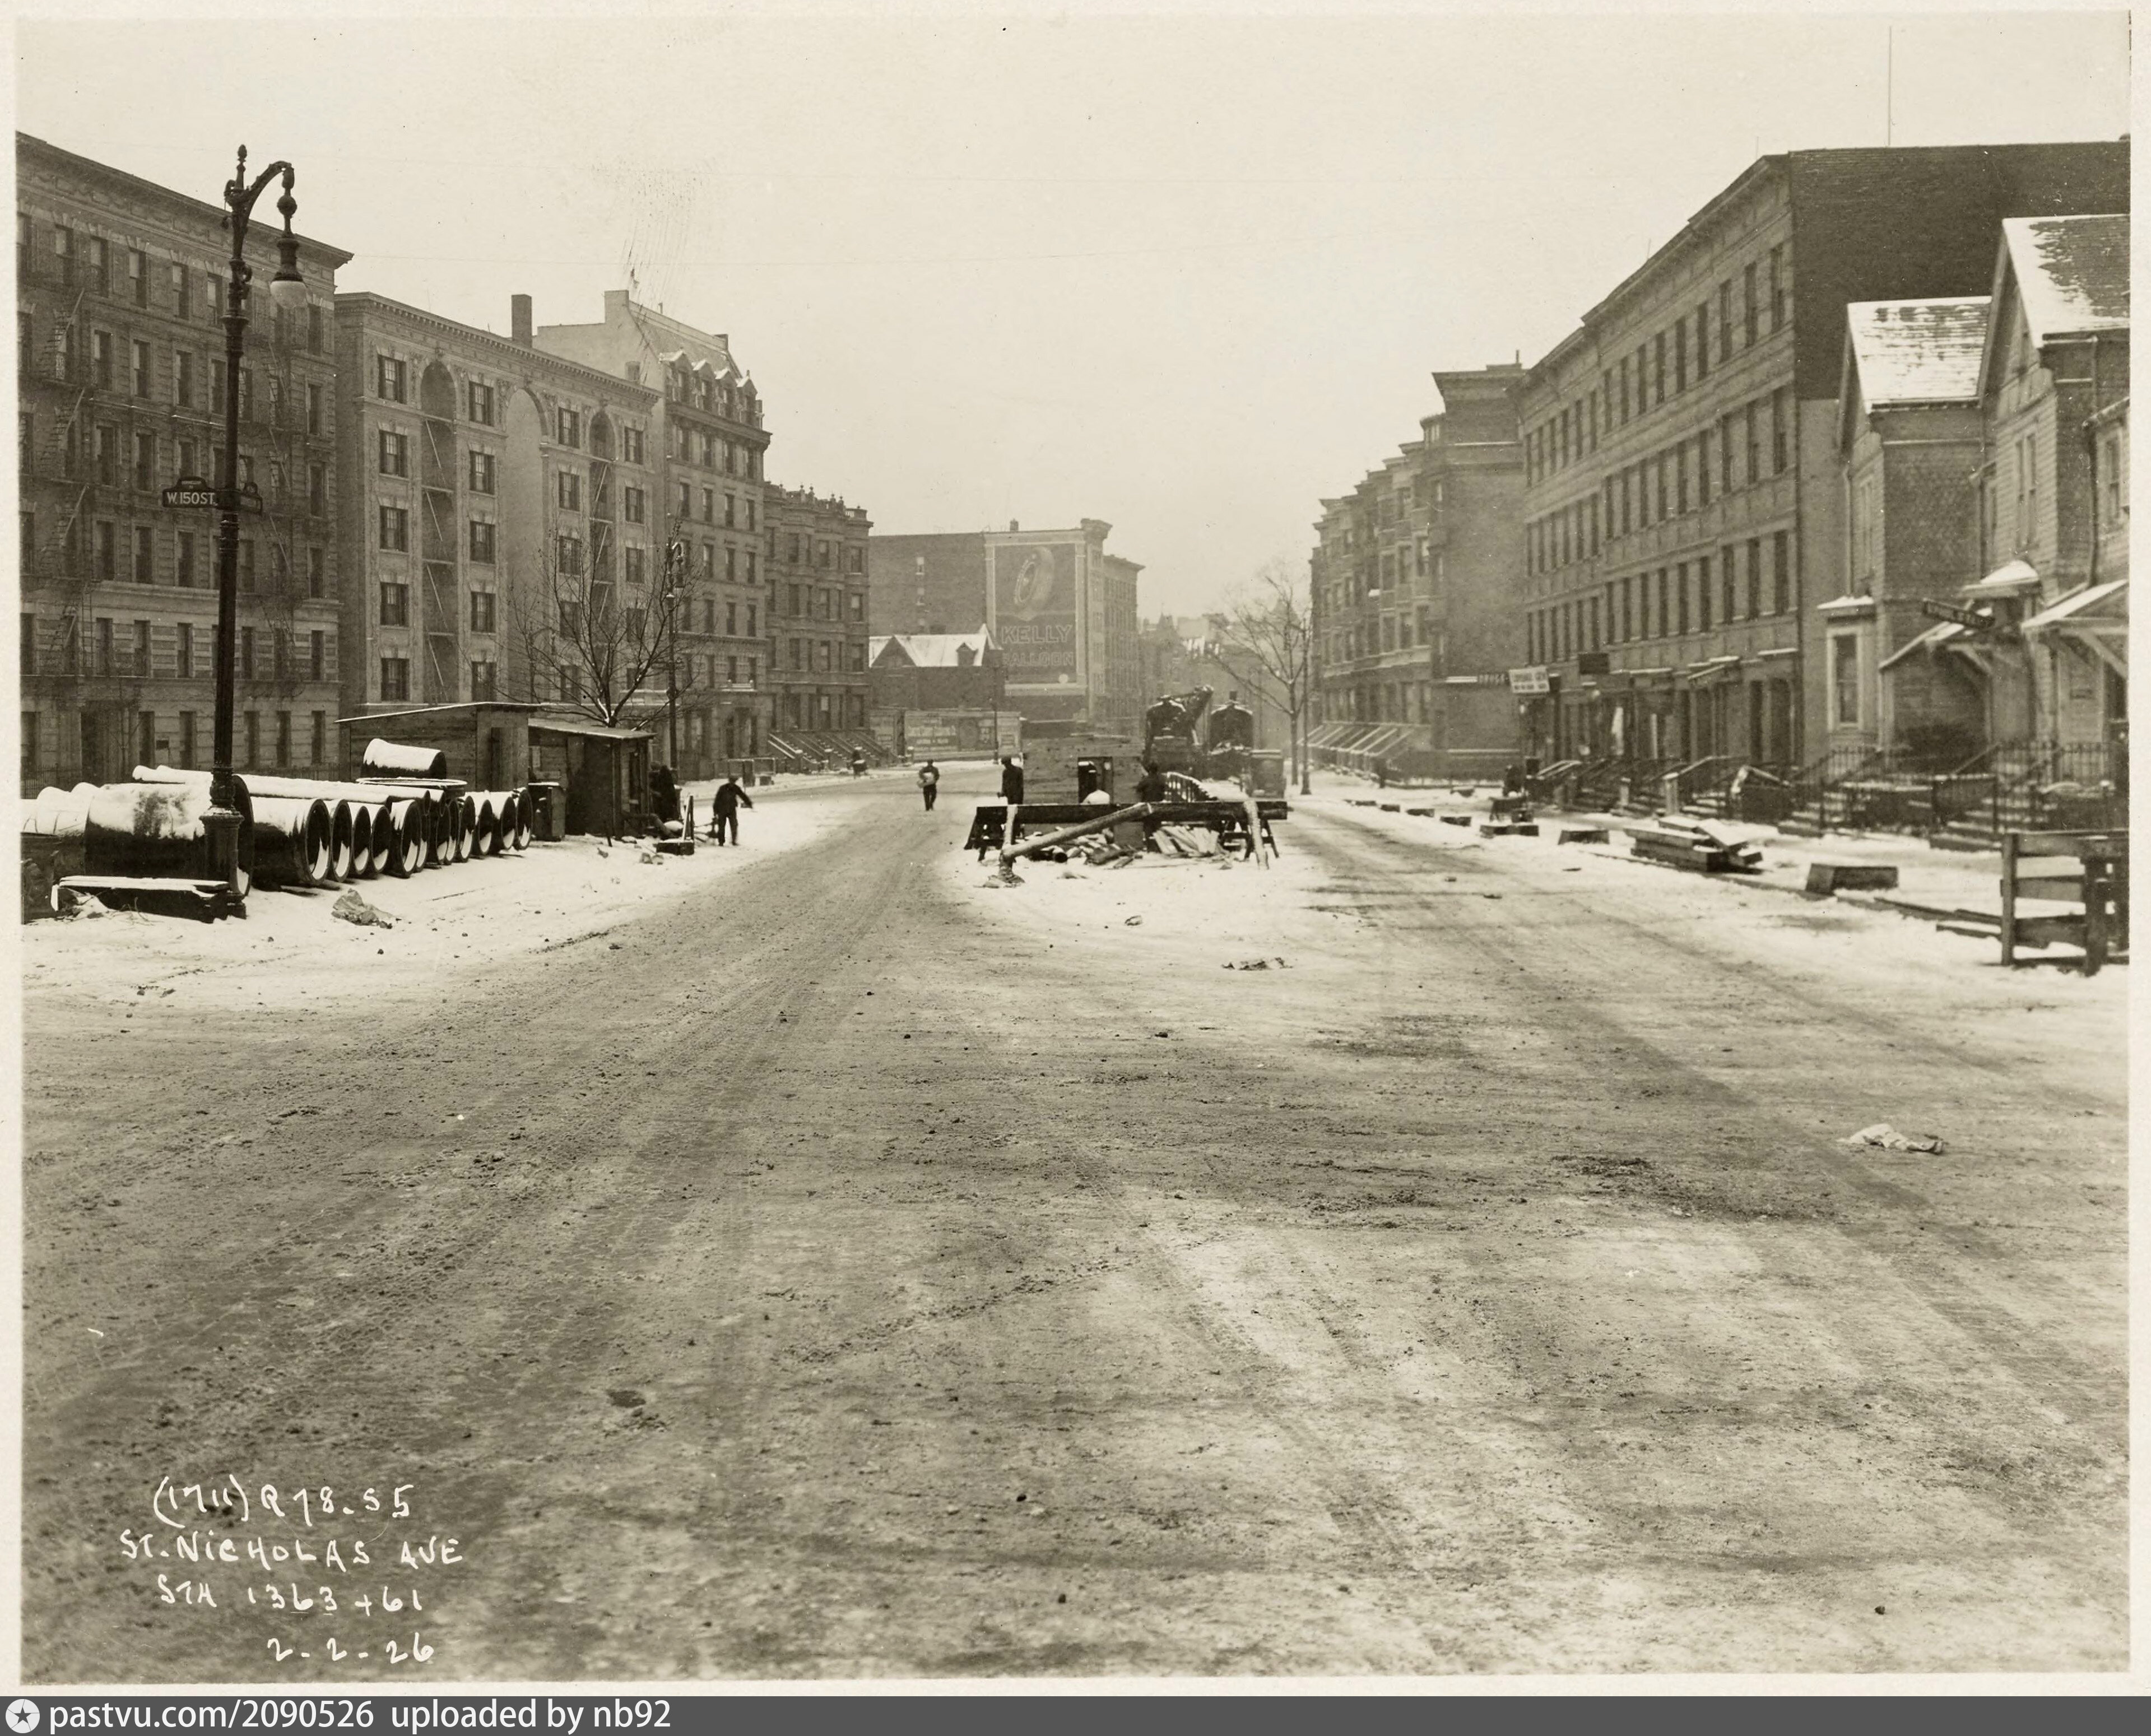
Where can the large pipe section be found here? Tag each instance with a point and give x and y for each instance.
(293, 840)
(340, 858)
(157, 830)
(409, 829)
(393, 759)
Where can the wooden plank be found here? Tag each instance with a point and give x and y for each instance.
(2046, 930)
(2010, 850)
(2067, 888)
(2114, 845)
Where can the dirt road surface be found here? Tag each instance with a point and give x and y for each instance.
(842, 1269)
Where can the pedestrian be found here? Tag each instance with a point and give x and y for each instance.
(1150, 787)
(724, 810)
(1381, 774)
(859, 763)
(1012, 780)
(929, 781)
(1512, 780)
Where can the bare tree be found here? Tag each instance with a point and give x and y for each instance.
(595, 640)
(1266, 646)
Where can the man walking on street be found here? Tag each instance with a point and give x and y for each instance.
(929, 781)
(1012, 780)
(724, 810)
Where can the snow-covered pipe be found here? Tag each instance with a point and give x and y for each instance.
(393, 759)
(473, 843)
(359, 818)
(339, 840)
(293, 841)
(59, 812)
(519, 803)
(157, 829)
(408, 829)
(386, 848)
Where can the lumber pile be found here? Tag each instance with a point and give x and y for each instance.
(1698, 845)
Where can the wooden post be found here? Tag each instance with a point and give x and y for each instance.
(1255, 831)
(2097, 886)
(2009, 841)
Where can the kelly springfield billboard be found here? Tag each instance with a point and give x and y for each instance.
(1035, 592)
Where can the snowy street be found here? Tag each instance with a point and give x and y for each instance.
(813, 1260)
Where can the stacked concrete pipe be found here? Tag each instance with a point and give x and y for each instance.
(157, 829)
(294, 841)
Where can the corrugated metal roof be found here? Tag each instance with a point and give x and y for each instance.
(1918, 352)
(2072, 272)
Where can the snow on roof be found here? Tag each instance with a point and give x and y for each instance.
(935, 650)
(1918, 352)
(2072, 272)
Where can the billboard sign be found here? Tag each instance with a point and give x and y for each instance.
(1034, 613)
(1530, 679)
(960, 735)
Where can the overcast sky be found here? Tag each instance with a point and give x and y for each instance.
(1188, 276)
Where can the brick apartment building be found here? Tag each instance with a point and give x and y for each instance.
(817, 614)
(120, 287)
(490, 490)
(1683, 496)
(707, 443)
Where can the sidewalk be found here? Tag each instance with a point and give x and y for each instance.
(1931, 885)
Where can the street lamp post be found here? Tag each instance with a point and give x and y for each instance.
(676, 555)
(287, 292)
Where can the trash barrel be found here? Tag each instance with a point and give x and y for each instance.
(549, 811)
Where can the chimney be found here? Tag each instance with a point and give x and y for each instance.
(1013, 525)
(519, 318)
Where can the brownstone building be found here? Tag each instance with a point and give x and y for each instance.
(1683, 502)
(120, 288)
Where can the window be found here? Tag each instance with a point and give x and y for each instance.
(1703, 594)
(246, 652)
(100, 265)
(395, 453)
(317, 490)
(317, 657)
(317, 744)
(569, 554)
(1781, 573)
(569, 489)
(145, 563)
(481, 403)
(481, 540)
(749, 634)
(138, 373)
(186, 739)
(389, 378)
(634, 560)
(103, 546)
(63, 253)
(395, 528)
(858, 605)
(314, 410)
(1845, 678)
(570, 426)
(108, 453)
(182, 378)
(2027, 490)
(631, 445)
(485, 679)
(1755, 445)
(1778, 287)
(183, 572)
(317, 572)
(709, 506)
(283, 738)
(182, 288)
(316, 336)
(396, 678)
(30, 744)
(686, 509)
(145, 461)
(1680, 355)
(633, 506)
(1754, 577)
(482, 611)
(1748, 311)
(395, 605)
(1780, 455)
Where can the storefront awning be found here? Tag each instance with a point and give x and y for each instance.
(1708, 671)
(2011, 578)
(2087, 610)
(1935, 636)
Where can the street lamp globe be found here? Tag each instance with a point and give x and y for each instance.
(288, 295)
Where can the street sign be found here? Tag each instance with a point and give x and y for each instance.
(1532, 679)
(190, 491)
(196, 493)
(1977, 619)
(1594, 663)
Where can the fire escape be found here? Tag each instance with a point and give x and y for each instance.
(440, 614)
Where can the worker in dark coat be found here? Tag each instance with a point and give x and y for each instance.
(724, 810)
(930, 783)
(1011, 780)
(1150, 787)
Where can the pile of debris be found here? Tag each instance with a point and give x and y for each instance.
(1697, 845)
(1124, 844)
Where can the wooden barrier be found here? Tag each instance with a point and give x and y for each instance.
(2094, 875)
